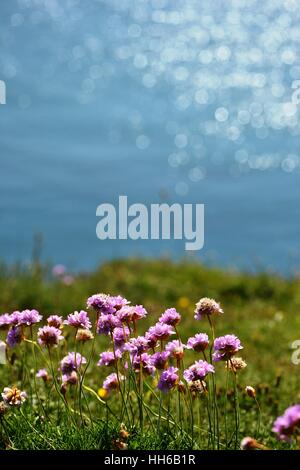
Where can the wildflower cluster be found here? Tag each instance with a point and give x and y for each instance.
(151, 373)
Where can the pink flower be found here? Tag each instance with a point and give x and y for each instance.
(49, 336)
(79, 320)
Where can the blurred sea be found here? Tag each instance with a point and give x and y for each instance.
(160, 100)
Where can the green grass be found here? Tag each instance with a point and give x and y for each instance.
(262, 310)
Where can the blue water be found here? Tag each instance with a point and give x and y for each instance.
(171, 101)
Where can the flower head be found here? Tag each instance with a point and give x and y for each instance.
(168, 379)
(235, 364)
(79, 320)
(5, 321)
(13, 396)
(3, 408)
(58, 270)
(207, 307)
(112, 382)
(160, 332)
(71, 362)
(14, 336)
(137, 345)
(198, 371)
(15, 317)
(143, 362)
(251, 392)
(101, 303)
(29, 317)
(288, 425)
(83, 335)
(225, 347)
(55, 320)
(198, 343)
(107, 323)
(43, 374)
(120, 336)
(108, 358)
(49, 336)
(71, 378)
(118, 302)
(175, 348)
(129, 313)
(160, 359)
(170, 317)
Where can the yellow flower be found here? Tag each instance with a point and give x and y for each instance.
(103, 393)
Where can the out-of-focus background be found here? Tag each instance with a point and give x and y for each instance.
(161, 100)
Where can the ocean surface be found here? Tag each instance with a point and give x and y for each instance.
(162, 101)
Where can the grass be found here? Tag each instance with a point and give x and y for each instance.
(262, 310)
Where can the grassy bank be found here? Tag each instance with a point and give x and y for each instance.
(262, 310)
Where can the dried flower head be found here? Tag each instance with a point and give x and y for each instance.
(235, 364)
(3, 408)
(251, 392)
(197, 387)
(207, 307)
(83, 335)
(13, 396)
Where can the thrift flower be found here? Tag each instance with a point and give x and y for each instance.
(13, 396)
(225, 347)
(55, 320)
(198, 343)
(120, 336)
(5, 321)
(160, 331)
(14, 336)
(79, 320)
(108, 358)
(160, 359)
(49, 336)
(58, 270)
(168, 379)
(143, 362)
(198, 371)
(107, 323)
(29, 317)
(170, 317)
(102, 303)
(288, 425)
(71, 378)
(111, 382)
(71, 362)
(207, 307)
(43, 374)
(137, 345)
(175, 348)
